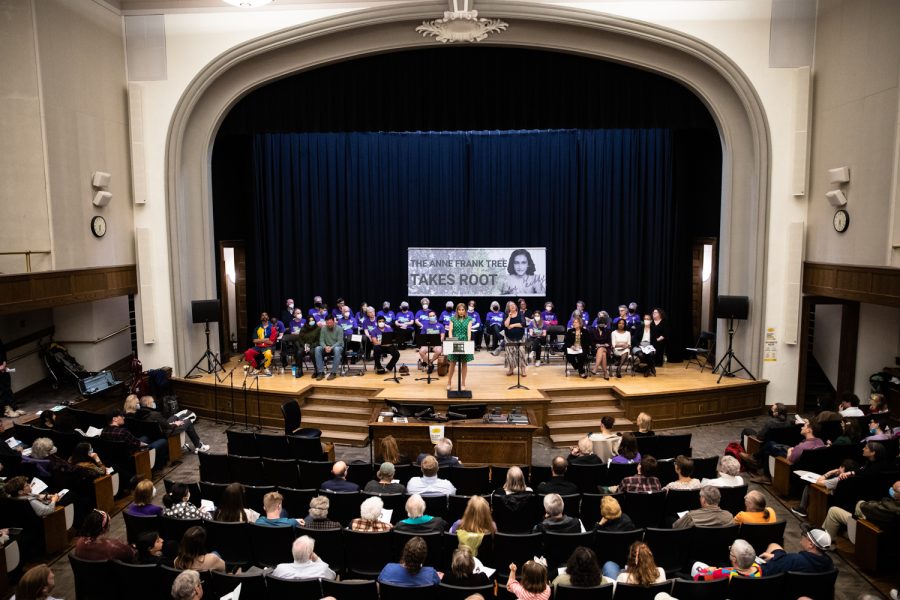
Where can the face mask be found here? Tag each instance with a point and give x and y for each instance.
(346, 315)
(891, 492)
(471, 309)
(312, 321)
(646, 321)
(548, 308)
(432, 319)
(318, 305)
(290, 307)
(425, 306)
(153, 405)
(381, 325)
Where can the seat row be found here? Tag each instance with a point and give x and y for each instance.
(468, 480)
(107, 579)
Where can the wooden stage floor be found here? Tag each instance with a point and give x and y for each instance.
(488, 381)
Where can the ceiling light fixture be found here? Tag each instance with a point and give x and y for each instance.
(248, 3)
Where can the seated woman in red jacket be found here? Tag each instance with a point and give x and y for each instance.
(93, 543)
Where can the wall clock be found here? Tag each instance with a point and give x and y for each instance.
(98, 226)
(841, 220)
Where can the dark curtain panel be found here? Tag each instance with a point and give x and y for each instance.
(334, 213)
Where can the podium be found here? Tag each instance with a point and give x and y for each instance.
(452, 347)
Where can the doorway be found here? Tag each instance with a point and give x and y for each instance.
(233, 291)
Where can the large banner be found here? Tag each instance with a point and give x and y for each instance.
(465, 272)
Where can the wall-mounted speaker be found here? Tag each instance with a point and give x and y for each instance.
(733, 307)
(203, 311)
(836, 198)
(100, 179)
(102, 198)
(839, 175)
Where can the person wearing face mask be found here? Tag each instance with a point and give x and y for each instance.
(317, 304)
(884, 513)
(405, 323)
(535, 337)
(322, 314)
(347, 321)
(431, 326)
(422, 314)
(623, 316)
(260, 355)
(339, 306)
(643, 350)
(447, 314)
(633, 318)
(549, 316)
(291, 338)
(477, 328)
(308, 339)
(493, 322)
(287, 313)
(367, 325)
(376, 335)
(387, 313)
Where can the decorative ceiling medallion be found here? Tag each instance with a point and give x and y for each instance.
(461, 25)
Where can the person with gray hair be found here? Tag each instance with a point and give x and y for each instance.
(443, 452)
(385, 483)
(43, 454)
(554, 518)
(187, 586)
(306, 564)
(743, 564)
(417, 521)
(318, 515)
(370, 512)
(729, 467)
(709, 514)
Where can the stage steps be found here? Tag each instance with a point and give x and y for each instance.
(573, 413)
(341, 413)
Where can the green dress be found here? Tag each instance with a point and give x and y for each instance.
(459, 328)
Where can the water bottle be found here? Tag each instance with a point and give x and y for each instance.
(294, 370)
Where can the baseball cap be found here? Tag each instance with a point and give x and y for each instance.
(819, 537)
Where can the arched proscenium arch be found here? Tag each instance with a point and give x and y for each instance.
(712, 76)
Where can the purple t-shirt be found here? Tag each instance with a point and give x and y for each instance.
(376, 333)
(296, 325)
(146, 510)
(432, 328)
(347, 324)
(368, 325)
(495, 318)
(803, 446)
(404, 316)
(549, 317)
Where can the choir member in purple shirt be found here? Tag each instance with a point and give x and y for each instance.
(430, 327)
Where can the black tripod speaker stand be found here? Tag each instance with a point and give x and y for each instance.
(731, 308)
(213, 365)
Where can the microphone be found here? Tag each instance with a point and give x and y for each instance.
(423, 412)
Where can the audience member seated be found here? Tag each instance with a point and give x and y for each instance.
(884, 513)
(385, 483)
(272, 507)
(515, 483)
(306, 564)
(462, 570)
(728, 469)
(178, 506)
(877, 405)
(644, 352)
(443, 452)
(645, 425)
(410, 571)
(810, 559)
(142, 504)
(370, 512)
(338, 481)
(331, 343)
(43, 457)
(149, 548)
(417, 521)
(192, 553)
(85, 460)
(168, 426)
(582, 570)
(36, 583)
(583, 453)
(709, 514)
(644, 481)
(187, 586)
(605, 443)
(429, 484)
(558, 484)
(777, 419)
(628, 451)
(534, 584)
(260, 355)
(850, 433)
(318, 515)
(554, 518)
(850, 406)
(231, 506)
(743, 564)
(390, 452)
(756, 510)
(684, 468)
(94, 543)
(880, 430)
(116, 432)
(876, 461)
(829, 480)
(475, 523)
(640, 569)
(612, 518)
(19, 488)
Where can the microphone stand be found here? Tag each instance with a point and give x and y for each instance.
(258, 413)
(230, 377)
(518, 386)
(244, 388)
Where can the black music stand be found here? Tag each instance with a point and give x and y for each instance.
(387, 340)
(429, 340)
(517, 346)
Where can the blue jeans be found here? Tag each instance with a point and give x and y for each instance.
(336, 352)
(611, 570)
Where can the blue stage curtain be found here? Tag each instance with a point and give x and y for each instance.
(335, 212)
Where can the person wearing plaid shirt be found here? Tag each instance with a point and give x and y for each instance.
(370, 512)
(645, 480)
(318, 515)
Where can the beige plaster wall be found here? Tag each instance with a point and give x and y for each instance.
(855, 124)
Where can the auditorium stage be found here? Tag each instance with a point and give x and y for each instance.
(563, 405)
